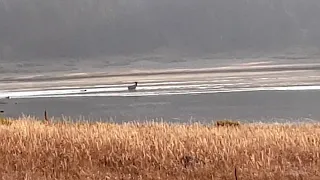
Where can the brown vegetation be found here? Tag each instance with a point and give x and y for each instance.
(227, 123)
(32, 149)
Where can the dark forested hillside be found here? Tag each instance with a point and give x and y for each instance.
(84, 28)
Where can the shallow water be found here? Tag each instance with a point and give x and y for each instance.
(254, 106)
(248, 92)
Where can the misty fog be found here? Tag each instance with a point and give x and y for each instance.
(89, 28)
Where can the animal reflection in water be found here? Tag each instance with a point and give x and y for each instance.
(133, 87)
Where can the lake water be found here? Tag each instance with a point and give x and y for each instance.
(260, 91)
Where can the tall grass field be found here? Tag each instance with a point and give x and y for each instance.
(31, 149)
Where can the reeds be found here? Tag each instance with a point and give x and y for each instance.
(32, 149)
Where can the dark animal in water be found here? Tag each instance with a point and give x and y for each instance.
(133, 87)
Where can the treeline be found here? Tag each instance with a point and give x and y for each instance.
(73, 28)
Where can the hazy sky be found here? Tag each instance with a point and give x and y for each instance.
(86, 28)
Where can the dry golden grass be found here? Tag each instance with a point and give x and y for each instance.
(31, 149)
